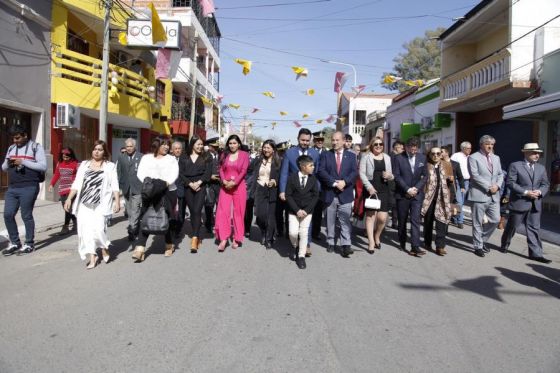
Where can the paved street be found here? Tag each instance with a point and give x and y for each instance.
(249, 310)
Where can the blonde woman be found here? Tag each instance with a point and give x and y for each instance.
(96, 189)
(375, 174)
(439, 193)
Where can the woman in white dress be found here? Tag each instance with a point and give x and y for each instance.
(96, 188)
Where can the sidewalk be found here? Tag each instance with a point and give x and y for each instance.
(49, 215)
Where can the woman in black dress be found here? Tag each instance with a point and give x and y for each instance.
(375, 173)
(195, 171)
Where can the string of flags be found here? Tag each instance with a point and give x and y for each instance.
(269, 94)
(390, 79)
(300, 71)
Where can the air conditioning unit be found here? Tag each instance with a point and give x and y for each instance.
(67, 116)
(426, 123)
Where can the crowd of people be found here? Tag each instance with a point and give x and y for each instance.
(291, 192)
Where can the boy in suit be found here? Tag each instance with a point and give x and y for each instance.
(302, 194)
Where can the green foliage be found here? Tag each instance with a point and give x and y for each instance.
(421, 60)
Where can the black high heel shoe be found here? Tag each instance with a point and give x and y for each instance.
(378, 246)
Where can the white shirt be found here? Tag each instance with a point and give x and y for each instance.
(463, 161)
(165, 168)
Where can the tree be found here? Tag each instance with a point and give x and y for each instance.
(422, 60)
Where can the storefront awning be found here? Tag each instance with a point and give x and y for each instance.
(534, 108)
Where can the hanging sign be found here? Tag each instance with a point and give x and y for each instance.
(139, 34)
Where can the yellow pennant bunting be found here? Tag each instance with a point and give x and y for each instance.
(390, 79)
(300, 71)
(246, 65)
(283, 113)
(207, 102)
(158, 31)
(234, 106)
(305, 116)
(122, 38)
(414, 83)
(269, 94)
(319, 121)
(310, 92)
(342, 120)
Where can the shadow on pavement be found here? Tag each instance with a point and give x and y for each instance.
(547, 286)
(549, 272)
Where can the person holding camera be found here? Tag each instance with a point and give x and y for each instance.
(25, 164)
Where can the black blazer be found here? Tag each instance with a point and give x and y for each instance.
(191, 172)
(301, 199)
(274, 174)
(458, 174)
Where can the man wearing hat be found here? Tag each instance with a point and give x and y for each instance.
(318, 141)
(528, 184)
(213, 191)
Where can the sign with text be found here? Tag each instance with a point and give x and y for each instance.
(139, 34)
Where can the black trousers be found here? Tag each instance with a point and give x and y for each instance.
(195, 203)
(266, 212)
(249, 214)
(210, 203)
(441, 228)
(171, 200)
(67, 215)
(317, 219)
(281, 217)
(409, 207)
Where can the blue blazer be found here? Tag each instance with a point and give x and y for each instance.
(289, 165)
(406, 179)
(328, 174)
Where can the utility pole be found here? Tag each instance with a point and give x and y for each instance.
(193, 96)
(108, 4)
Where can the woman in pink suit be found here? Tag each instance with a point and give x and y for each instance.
(233, 168)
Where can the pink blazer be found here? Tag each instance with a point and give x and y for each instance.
(237, 170)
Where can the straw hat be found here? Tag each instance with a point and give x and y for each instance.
(532, 147)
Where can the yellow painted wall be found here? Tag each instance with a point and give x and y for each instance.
(456, 58)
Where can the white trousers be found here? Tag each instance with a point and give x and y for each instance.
(299, 227)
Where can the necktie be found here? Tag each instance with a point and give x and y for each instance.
(532, 169)
(302, 182)
(303, 151)
(489, 161)
(338, 162)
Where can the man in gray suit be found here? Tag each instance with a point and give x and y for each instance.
(528, 184)
(486, 178)
(130, 185)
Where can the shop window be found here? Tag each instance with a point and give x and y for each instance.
(555, 158)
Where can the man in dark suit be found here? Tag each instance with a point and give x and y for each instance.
(338, 171)
(409, 169)
(130, 185)
(289, 162)
(528, 184)
(213, 190)
(318, 141)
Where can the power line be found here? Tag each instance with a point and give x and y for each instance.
(274, 5)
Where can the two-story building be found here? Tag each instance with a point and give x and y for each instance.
(199, 66)
(355, 108)
(490, 59)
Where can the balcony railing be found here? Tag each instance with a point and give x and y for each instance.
(209, 24)
(485, 73)
(79, 67)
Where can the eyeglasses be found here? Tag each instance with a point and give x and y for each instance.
(436, 154)
(378, 144)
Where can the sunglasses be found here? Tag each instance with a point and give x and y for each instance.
(437, 154)
(378, 144)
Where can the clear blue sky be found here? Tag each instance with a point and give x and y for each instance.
(352, 31)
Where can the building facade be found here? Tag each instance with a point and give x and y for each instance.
(25, 44)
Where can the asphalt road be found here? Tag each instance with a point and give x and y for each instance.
(252, 310)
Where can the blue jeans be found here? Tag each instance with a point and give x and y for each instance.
(459, 218)
(14, 199)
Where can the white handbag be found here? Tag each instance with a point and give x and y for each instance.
(372, 202)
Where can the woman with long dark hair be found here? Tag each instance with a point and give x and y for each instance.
(96, 188)
(233, 168)
(264, 190)
(163, 168)
(65, 173)
(439, 195)
(195, 170)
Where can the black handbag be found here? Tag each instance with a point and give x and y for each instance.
(155, 221)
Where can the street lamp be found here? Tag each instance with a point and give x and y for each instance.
(345, 64)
